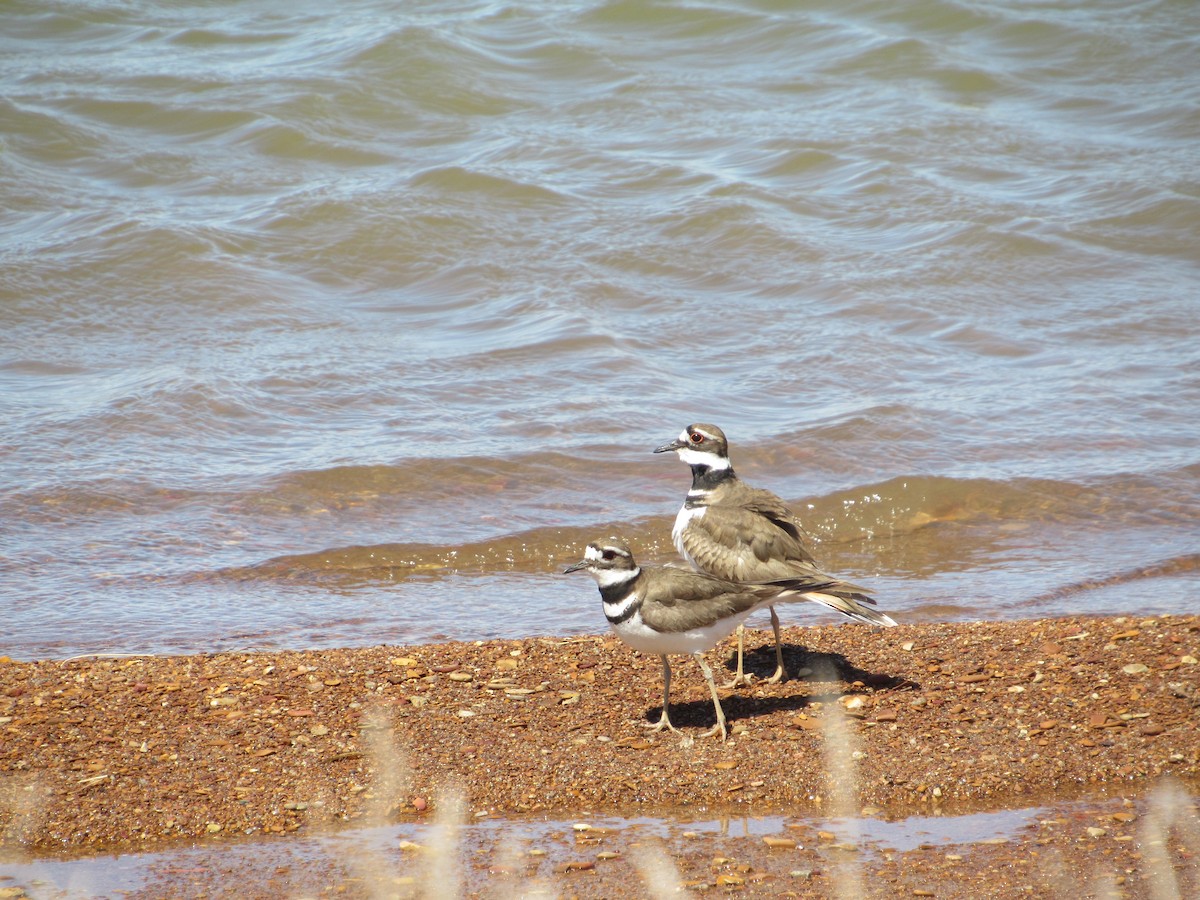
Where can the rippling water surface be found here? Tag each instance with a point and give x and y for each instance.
(340, 325)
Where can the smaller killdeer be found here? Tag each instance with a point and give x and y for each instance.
(747, 535)
(664, 610)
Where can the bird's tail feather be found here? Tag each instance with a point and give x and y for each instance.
(846, 604)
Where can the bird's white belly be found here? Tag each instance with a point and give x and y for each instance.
(634, 632)
(685, 516)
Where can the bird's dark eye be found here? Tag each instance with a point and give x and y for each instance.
(609, 554)
(696, 437)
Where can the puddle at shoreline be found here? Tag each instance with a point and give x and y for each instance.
(306, 865)
(1150, 837)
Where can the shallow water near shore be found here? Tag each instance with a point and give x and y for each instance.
(393, 856)
(332, 327)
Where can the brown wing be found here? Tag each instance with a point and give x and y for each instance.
(751, 536)
(775, 511)
(679, 600)
(741, 543)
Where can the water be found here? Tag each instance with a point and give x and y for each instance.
(316, 863)
(338, 326)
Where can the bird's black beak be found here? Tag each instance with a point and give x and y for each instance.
(575, 567)
(674, 445)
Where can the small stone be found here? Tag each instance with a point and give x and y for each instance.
(885, 715)
(1188, 660)
(461, 676)
(580, 865)
(726, 764)
(778, 843)
(212, 827)
(1097, 832)
(607, 854)
(1135, 668)
(420, 804)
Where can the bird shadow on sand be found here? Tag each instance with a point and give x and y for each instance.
(812, 677)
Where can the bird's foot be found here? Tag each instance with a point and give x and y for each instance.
(738, 680)
(778, 677)
(663, 723)
(718, 729)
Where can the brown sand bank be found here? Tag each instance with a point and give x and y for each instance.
(137, 753)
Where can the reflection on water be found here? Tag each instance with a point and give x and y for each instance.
(478, 855)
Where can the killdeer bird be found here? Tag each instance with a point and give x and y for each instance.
(747, 535)
(664, 610)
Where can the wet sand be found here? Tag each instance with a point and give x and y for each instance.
(1088, 716)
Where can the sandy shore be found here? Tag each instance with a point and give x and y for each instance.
(148, 753)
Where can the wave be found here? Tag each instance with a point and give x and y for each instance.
(874, 524)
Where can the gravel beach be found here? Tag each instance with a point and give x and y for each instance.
(1089, 716)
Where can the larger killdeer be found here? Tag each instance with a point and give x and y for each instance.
(663, 610)
(743, 534)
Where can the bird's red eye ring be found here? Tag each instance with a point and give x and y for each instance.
(696, 437)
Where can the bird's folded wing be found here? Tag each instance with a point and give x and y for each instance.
(679, 600)
(740, 544)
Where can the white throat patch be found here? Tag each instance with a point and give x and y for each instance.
(610, 577)
(700, 458)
